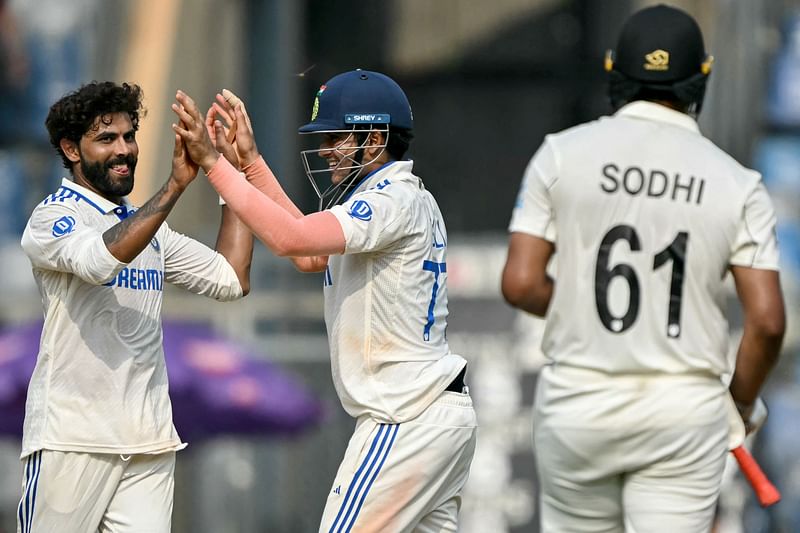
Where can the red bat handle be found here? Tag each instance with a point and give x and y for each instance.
(765, 491)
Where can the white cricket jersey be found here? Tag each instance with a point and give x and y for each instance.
(646, 215)
(386, 299)
(100, 381)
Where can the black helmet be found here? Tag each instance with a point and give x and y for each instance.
(660, 53)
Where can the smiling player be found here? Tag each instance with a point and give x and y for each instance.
(98, 442)
(381, 242)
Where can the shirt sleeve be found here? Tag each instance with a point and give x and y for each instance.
(373, 220)
(193, 266)
(756, 244)
(58, 238)
(533, 211)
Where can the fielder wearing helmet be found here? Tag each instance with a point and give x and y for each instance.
(366, 119)
(382, 252)
(659, 56)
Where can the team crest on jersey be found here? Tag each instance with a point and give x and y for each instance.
(63, 225)
(315, 109)
(361, 210)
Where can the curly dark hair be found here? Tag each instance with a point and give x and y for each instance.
(74, 114)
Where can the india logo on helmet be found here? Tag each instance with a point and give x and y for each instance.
(315, 109)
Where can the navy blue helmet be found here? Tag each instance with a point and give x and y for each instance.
(349, 107)
(359, 97)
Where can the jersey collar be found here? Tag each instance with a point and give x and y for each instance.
(103, 204)
(659, 113)
(386, 171)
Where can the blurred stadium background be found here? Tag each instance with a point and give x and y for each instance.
(487, 80)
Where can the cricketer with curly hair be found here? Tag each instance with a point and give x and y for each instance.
(98, 443)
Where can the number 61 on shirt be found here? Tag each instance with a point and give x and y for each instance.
(675, 252)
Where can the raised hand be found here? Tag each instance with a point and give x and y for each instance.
(232, 110)
(192, 130)
(222, 137)
(184, 170)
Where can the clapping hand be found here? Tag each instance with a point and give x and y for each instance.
(235, 136)
(192, 130)
(184, 170)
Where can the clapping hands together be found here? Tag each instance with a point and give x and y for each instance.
(226, 129)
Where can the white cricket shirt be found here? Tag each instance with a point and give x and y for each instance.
(100, 381)
(646, 215)
(386, 299)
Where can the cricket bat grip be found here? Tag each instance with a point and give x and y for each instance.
(766, 492)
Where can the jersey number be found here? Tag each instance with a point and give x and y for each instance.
(603, 275)
(436, 269)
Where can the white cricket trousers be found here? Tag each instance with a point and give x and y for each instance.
(398, 478)
(642, 454)
(76, 492)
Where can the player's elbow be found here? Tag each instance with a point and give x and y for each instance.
(511, 293)
(769, 326)
(284, 251)
(245, 289)
(766, 330)
(283, 247)
(525, 295)
(307, 265)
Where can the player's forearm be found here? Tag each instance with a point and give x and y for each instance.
(280, 231)
(129, 237)
(262, 178)
(235, 243)
(758, 352)
(760, 293)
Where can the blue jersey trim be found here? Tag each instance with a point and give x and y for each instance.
(61, 195)
(365, 178)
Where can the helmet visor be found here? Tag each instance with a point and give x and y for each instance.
(335, 168)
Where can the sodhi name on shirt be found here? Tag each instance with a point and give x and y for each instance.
(652, 183)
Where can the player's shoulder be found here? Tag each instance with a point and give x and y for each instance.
(63, 200)
(725, 165)
(68, 198)
(66, 206)
(396, 183)
(578, 132)
(389, 196)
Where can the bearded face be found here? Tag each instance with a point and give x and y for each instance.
(105, 158)
(113, 178)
